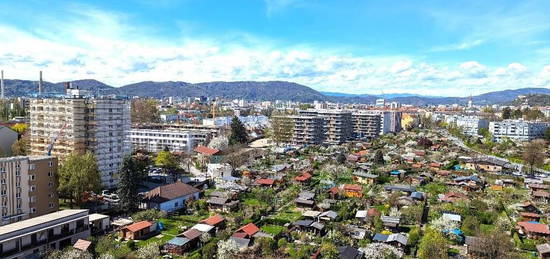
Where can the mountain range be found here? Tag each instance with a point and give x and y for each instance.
(253, 90)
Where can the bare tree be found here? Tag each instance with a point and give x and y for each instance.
(533, 153)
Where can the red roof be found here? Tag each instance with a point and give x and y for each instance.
(352, 187)
(530, 215)
(139, 226)
(334, 190)
(541, 193)
(372, 212)
(170, 191)
(239, 235)
(535, 227)
(250, 229)
(265, 181)
(192, 234)
(454, 196)
(82, 244)
(213, 220)
(434, 164)
(206, 150)
(303, 177)
(362, 153)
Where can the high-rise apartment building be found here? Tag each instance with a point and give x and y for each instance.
(470, 125)
(298, 129)
(28, 187)
(338, 126)
(366, 125)
(80, 124)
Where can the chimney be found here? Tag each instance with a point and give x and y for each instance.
(40, 89)
(2, 84)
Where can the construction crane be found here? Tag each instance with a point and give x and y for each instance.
(54, 139)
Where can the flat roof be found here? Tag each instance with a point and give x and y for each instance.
(17, 226)
(97, 216)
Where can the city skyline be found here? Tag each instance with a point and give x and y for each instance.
(349, 46)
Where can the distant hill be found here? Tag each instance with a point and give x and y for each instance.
(532, 100)
(253, 90)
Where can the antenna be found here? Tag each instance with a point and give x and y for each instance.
(2, 84)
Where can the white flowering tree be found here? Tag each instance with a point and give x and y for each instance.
(205, 237)
(70, 253)
(380, 251)
(149, 251)
(106, 256)
(394, 212)
(447, 226)
(219, 143)
(227, 249)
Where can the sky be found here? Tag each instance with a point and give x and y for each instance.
(427, 47)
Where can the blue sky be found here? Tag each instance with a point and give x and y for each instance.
(426, 47)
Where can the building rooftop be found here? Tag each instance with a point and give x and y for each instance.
(21, 225)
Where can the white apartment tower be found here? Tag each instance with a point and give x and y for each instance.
(80, 124)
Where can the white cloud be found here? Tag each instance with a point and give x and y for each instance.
(103, 46)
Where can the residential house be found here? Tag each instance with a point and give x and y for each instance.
(397, 240)
(453, 197)
(305, 199)
(138, 230)
(400, 188)
(364, 178)
(353, 190)
(303, 178)
(170, 197)
(177, 245)
(541, 196)
(543, 251)
(265, 182)
(208, 155)
(533, 230)
(246, 231)
(390, 222)
(529, 216)
(309, 226)
(216, 221)
(222, 204)
(348, 252)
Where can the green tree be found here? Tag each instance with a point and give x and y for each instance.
(506, 113)
(517, 114)
(547, 134)
(209, 250)
(340, 158)
(78, 174)
(238, 132)
(470, 226)
(129, 178)
(379, 157)
(21, 146)
(167, 161)
(329, 250)
(432, 245)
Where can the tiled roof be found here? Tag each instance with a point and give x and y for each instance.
(192, 233)
(265, 181)
(303, 177)
(213, 220)
(206, 150)
(352, 187)
(170, 191)
(82, 244)
(534, 227)
(250, 229)
(139, 226)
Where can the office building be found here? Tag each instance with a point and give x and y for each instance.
(32, 237)
(470, 125)
(79, 124)
(519, 130)
(28, 187)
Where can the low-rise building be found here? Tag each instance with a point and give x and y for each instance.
(29, 238)
(519, 130)
(155, 141)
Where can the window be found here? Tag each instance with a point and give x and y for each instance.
(50, 163)
(33, 210)
(51, 205)
(32, 166)
(50, 174)
(33, 188)
(176, 204)
(32, 177)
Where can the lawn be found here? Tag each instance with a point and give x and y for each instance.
(288, 215)
(172, 227)
(272, 229)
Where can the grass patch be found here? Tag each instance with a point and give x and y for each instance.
(272, 229)
(252, 202)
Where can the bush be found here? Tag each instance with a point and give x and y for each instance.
(148, 215)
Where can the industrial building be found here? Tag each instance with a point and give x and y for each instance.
(76, 123)
(28, 187)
